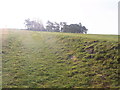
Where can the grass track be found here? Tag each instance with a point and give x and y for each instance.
(59, 60)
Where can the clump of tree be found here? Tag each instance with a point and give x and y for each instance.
(63, 27)
(74, 28)
(55, 27)
(34, 25)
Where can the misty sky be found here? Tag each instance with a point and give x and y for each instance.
(99, 16)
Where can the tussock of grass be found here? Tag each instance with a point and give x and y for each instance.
(60, 60)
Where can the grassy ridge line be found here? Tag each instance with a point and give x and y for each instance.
(53, 60)
(89, 36)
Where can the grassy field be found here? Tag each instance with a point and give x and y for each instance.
(59, 60)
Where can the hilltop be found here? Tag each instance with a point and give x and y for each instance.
(34, 59)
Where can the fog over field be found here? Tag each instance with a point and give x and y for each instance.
(99, 16)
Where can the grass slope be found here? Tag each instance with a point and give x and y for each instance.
(59, 60)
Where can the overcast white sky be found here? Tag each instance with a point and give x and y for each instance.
(99, 16)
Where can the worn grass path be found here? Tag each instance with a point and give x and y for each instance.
(30, 60)
(57, 60)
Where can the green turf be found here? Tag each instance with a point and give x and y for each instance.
(60, 60)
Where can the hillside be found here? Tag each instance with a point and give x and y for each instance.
(59, 60)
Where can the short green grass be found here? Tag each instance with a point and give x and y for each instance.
(60, 60)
